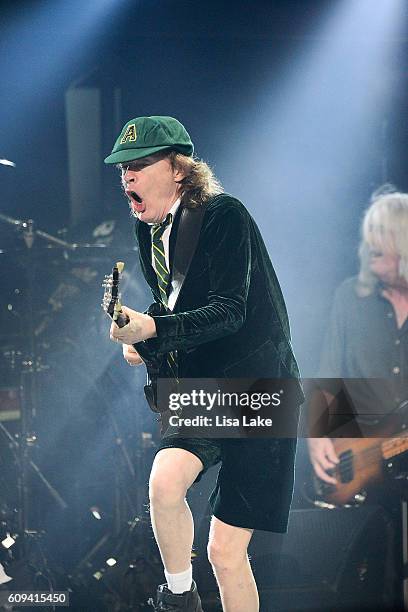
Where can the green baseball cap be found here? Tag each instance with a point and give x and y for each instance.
(144, 136)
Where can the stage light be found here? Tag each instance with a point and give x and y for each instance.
(111, 561)
(8, 541)
(43, 43)
(316, 142)
(96, 513)
(7, 162)
(98, 575)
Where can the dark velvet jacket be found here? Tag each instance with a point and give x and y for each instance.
(230, 319)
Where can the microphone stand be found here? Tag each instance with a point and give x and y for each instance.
(30, 233)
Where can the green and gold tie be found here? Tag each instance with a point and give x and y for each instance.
(159, 258)
(163, 277)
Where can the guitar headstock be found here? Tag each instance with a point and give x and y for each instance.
(111, 296)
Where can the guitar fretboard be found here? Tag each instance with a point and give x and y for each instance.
(395, 446)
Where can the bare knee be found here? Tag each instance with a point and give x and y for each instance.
(173, 472)
(166, 491)
(227, 546)
(225, 557)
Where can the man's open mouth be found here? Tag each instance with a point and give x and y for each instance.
(136, 202)
(136, 197)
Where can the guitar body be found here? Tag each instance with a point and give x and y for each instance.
(361, 465)
(365, 462)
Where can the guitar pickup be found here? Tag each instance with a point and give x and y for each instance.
(345, 467)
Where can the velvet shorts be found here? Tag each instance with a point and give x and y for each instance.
(255, 481)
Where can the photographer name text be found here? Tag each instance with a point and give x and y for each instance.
(219, 421)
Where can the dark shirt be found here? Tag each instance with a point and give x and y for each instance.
(363, 342)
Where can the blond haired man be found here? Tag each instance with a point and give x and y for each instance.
(367, 338)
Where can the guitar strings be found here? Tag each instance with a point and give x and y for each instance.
(346, 462)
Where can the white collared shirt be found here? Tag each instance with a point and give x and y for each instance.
(166, 245)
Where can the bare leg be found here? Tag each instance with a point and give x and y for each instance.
(174, 471)
(227, 552)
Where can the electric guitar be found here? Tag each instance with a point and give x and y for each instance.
(363, 463)
(111, 303)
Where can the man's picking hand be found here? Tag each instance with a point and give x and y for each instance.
(323, 457)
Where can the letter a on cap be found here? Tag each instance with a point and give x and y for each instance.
(130, 134)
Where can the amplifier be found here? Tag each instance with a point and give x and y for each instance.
(336, 560)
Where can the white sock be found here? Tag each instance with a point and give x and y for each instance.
(179, 583)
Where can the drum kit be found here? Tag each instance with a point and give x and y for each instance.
(55, 356)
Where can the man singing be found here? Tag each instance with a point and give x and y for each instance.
(228, 319)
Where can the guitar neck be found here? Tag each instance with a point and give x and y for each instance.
(395, 446)
(121, 319)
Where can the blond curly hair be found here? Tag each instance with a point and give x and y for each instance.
(384, 227)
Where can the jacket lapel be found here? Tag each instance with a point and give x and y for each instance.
(187, 223)
(187, 231)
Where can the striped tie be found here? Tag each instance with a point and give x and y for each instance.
(159, 258)
(163, 277)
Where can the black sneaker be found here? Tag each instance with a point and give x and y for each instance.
(189, 601)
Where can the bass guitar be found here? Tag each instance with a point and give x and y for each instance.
(363, 463)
